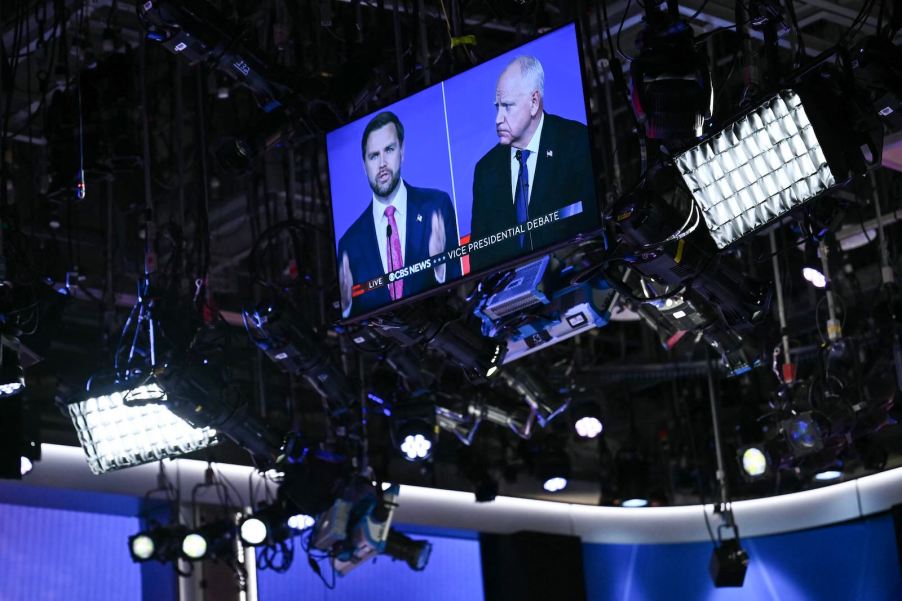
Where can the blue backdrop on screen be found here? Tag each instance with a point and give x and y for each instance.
(470, 101)
(425, 156)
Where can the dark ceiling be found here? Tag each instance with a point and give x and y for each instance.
(81, 85)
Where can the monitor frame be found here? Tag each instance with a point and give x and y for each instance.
(595, 230)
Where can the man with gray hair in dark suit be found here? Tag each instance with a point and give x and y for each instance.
(542, 163)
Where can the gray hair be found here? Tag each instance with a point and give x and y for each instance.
(531, 71)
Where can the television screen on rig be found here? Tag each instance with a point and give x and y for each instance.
(486, 169)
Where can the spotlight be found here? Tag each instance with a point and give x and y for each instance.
(813, 269)
(814, 276)
(253, 531)
(125, 425)
(803, 434)
(416, 447)
(194, 546)
(753, 462)
(207, 542)
(635, 502)
(780, 154)
(827, 475)
(267, 525)
(414, 428)
(670, 80)
(12, 376)
(142, 547)
(415, 553)
(554, 484)
(728, 565)
(553, 467)
(161, 543)
(587, 419)
(301, 521)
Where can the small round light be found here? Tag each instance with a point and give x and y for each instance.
(25, 465)
(804, 433)
(828, 475)
(253, 531)
(194, 546)
(143, 547)
(814, 277)
(754, 462)
(300, 522)
(555, 484)
(416, 447)
(634, 503)
(588, 427)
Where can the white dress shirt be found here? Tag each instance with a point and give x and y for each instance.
(531, 162)
(398, 200)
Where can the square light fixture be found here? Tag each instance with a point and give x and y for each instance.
(130, 426)
(759, 167)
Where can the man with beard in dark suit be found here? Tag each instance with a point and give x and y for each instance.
(402, 226)
(541, 164)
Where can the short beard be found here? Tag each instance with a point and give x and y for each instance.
(389, 188)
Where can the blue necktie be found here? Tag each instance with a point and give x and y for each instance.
(521, 199)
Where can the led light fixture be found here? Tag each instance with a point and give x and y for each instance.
(756, 169)
(552, 466)
(635, 502)
(194, 546)
(416, 447)
(413, 427)
(814, 276)
(803, 434)
(415, 553)
(207, 542)
(129, 426)
(268, 525)
(142, 547)
(554, 484)
(588, 427)
(253, 531)
(586, 416)
(300, 521)
(729, 563)
(828, 475)
(753, 462)
(161, 543)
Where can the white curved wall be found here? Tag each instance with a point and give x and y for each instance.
(65, 467)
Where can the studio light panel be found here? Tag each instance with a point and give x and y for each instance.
(115, 435)
(756, 169)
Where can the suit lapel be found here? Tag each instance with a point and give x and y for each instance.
(417, 227)
(542, 192)
(371, 255)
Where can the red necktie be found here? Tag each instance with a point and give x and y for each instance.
(393, 253)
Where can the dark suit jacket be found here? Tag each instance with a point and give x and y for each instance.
(563, 176)
(360, 243)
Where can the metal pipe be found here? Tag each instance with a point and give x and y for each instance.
(612, 127)
(718, 446)
(886, 267)
(834, 328)
(778, 284)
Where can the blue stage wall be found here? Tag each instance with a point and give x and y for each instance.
(49, 554)
(847, 562)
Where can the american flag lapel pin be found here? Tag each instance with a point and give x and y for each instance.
(549, 153)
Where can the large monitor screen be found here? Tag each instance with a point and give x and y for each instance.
(485, 169)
